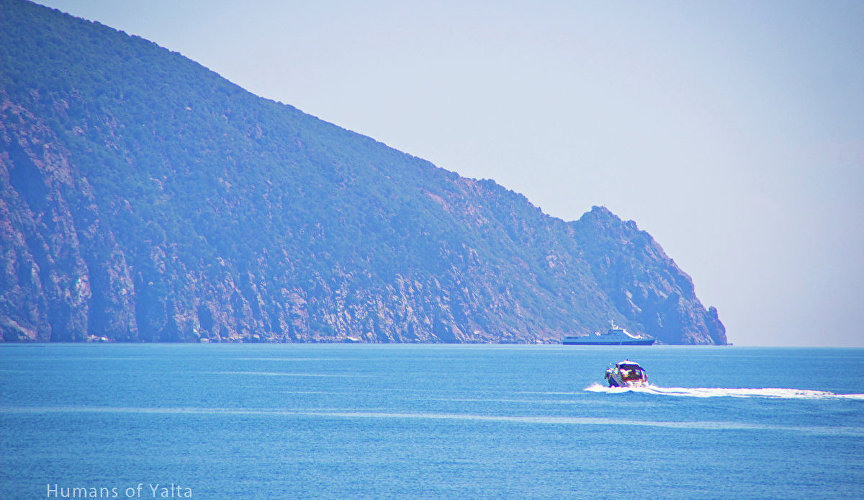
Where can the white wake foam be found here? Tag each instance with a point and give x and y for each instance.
(713, 392)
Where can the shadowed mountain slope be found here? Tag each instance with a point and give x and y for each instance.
(145, 198)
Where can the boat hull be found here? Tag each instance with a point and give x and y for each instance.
(614, 383)
(606, 342)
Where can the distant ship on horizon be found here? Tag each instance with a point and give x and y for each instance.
(614, 336)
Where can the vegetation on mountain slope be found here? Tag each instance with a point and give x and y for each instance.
(145, 198)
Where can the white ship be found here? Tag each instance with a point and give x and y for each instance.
(614, 336)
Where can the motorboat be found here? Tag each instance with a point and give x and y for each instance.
(626, 374)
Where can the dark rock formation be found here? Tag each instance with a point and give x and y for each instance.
(145, 198)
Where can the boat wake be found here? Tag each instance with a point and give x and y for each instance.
(714, 392)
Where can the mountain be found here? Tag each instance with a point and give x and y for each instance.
(145, 198)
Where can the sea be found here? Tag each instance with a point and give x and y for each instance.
(428, 421)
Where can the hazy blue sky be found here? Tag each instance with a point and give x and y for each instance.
(733, 132)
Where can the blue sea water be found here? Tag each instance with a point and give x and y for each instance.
(428, 421)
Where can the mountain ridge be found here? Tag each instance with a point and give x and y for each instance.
(146, 198)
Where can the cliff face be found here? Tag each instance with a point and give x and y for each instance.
(642, 282)
(144, 198)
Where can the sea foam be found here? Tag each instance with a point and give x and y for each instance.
(713, 392)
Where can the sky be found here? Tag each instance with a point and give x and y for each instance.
(731, 131)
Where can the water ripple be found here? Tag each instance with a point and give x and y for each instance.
(516, 419)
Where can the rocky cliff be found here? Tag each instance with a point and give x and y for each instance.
(145, 198)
